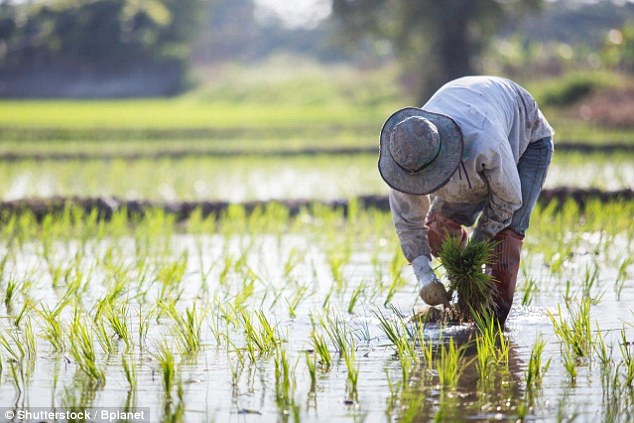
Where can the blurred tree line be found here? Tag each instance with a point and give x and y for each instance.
(103, 48)
(144, 42)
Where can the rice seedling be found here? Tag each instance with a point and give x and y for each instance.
(27, 305)
(321, 349)
(450, 364)
(167, 366)
(627, 360)
(117, 317)
(465, 270)
(13, 286)
(53, 332)
(492, 346)
(622, 276)
(355, 296)
(130, 372)
(83, 351)
(536, 369)
(529, 290)
(188, 326)
(311, 365)
(575, 335)
(352, 378)
(337, 330)
(14, 346)
(30, 342)
(397, 280)
(262, 337)
(284, 381)
(299, 295)
(570, 364)
(397, 332)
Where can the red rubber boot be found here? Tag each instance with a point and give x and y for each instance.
(504, 270)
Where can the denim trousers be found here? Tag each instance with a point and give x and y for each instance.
(532, 168)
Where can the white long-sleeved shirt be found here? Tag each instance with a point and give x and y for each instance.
(498, 120)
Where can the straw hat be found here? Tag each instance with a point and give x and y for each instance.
(419, 150)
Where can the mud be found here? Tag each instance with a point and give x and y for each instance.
(106, 206)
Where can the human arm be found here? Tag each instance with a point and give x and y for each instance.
(505, 191)
(408, 213)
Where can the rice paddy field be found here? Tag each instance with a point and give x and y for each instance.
(275, 314)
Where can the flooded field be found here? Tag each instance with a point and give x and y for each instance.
(249, 177)
(267, 317)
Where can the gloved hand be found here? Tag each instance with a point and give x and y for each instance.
(431, 290)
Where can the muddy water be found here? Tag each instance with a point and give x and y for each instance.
(217, 387)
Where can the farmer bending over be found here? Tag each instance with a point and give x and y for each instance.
(481, 147)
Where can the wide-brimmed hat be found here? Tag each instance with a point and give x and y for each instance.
(419, 150)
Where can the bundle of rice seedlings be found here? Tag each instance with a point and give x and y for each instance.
(465, 266)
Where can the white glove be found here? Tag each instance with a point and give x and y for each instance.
(431, 290)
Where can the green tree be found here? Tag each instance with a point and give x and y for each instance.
(435, 40)
(99, 39)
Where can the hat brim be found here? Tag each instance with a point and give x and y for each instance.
(438, 172)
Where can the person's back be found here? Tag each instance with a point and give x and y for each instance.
(494, 108)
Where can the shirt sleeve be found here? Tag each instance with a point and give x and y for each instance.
(505, 193)
(408, 213)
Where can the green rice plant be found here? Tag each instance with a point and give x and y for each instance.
(188, 326)
(536, 369)
(627, 360)
(104, 338)
(130, 372)
(53, 332)
(30, 342)
(589, 282)
(300, 294)
(336, 262)
(337, 331)
(397, 332)
(450, 364)
(397, 281)
(465, 270)
(144, 321)
(27, 305)
(13, 286)
(575, 335)
(529, 290)
(170, 276)
(354, 296)
(284, 380)
(352, 378)
(14, 346)
(261, 338)
(570, 364)
(602, 351)
(493, 347)
(320, 347)
(82, 349)
(622, 276)
(117, 317)
(311, 365)
(167, 366)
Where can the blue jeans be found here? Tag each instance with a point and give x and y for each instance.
(532, 169)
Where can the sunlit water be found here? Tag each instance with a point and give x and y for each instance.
(217, 388)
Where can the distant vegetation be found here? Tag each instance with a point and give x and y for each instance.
(131, 48)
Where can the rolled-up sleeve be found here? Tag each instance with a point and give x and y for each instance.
(505, 194)
(408, 213)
